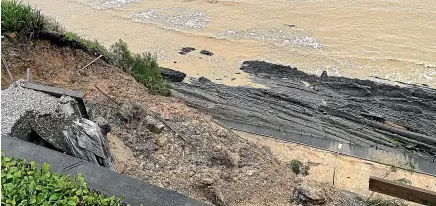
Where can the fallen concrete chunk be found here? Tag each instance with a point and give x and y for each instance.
(33, 115)
(154, 125)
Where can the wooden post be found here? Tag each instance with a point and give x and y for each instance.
(403, 191)
(28, 75)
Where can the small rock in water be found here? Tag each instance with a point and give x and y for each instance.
(324, 74)
(205, 52)
(186, 50)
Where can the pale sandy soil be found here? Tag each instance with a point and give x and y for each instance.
(352, 174)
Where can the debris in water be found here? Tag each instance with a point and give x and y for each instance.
(205, 52)
(186, 50)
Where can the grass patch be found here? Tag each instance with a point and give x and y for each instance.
(298, 167)
(26, 184)
(22, 20)
(92, 45)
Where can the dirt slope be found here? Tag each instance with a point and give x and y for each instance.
(203, 160)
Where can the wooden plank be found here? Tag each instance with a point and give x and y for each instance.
(54, 91)
(58, 92)
(403, 191)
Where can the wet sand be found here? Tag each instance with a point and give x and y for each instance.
(388, 39)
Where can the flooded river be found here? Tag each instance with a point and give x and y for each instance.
(393, 39)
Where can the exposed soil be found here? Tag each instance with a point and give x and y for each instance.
(363, 112)
(351, 174)
(203, 160)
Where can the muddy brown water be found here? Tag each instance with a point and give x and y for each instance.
(392, 39)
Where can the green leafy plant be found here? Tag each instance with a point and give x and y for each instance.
(384, 202)
(23, 20)
(143, 67)
(26, 184)
(19, 18)
(412, 166)
(404, 181)
(298, 167)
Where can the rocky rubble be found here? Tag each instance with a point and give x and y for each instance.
(196, 156)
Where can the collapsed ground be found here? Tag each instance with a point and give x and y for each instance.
(192, 154)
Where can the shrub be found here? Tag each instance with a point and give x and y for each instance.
(143, 67)
(26, 184)
(383, 202)
(298, 167)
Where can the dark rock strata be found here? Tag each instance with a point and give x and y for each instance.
(364, 112)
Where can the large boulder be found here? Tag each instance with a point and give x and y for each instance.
(172, 75)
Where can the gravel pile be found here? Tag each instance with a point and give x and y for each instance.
(16, 101)
(174, 18)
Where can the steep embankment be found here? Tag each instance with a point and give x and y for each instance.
(364, 112)
(191, 154)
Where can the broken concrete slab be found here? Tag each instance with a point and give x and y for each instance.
(30, 115)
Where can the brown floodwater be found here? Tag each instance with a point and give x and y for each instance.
(393, 39)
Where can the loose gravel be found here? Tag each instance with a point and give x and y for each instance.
(16, 101)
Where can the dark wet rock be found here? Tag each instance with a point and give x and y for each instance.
(172, 75)
(205, 52)
(365, 112)
(186, 50)
(203, 80)
(324, 74)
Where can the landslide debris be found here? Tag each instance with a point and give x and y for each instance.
(190, 153)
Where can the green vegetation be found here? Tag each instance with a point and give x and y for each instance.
(384, 202)
(23, 21)
(92, 45)
(25, 184)
(143, 67)
(412, 166)
(298, 167)
(404, 181)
